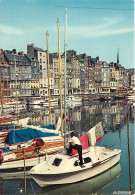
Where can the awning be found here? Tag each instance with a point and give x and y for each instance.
(106, 87)
(113, 88)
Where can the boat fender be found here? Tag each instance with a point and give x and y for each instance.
(1, 156)
(39, 144)
(67, 120)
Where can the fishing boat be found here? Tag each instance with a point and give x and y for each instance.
(96, 160)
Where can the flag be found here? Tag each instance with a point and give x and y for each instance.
(95, 133)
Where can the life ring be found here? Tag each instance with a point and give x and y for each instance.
(1, 156)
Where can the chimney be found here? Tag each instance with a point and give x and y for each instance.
(21, 53)
(30, 49)
(14, 51)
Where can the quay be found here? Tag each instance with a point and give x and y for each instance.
(101, 96)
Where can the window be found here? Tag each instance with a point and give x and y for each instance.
(87, 160)
(57, 162)
(76, 163)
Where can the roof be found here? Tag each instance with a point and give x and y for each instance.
(38, 49)
(13, 57)
(94, 60)
(31, 58)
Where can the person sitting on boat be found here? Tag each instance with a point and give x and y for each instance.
(75, 143)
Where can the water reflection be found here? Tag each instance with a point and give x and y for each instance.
(95, 185)
(113, 115)
(86, 187)
(83, 117)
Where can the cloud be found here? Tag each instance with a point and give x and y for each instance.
(108, 26)
(10, 30)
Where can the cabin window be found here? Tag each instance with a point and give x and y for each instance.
(87, 160)
(57, 162)
(76, 163)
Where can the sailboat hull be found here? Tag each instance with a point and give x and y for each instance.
(12, 167)
(73, 177)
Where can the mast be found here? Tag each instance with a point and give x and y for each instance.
(65, 47)
(3, 86)
(48, 77)
(1, 92)
(58, 24)
(7, 82)
(16, 87)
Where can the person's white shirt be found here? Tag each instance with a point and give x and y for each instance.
(75, 140)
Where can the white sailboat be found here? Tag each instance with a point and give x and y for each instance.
(91, 186)
(64, 169)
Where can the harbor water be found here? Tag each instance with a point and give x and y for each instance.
(113, 115)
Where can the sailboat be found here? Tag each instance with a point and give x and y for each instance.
(34, 144)
(90, 186)
(64, 169)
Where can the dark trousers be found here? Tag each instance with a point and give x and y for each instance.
(79, 149)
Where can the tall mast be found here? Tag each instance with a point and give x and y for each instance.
(7, 82)
(58, 24)
(16, 87)
(65, 46)
(3, 84)
(1, 92)
(48, 77)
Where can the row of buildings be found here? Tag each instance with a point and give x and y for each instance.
(27, 74)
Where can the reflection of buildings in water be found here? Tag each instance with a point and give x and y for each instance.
(132, 111)
(96, 109)
(85, 122)
(95, 185)
(114, 115)
(85, 117)
(75, 119)
(36, 120)
(118, 116)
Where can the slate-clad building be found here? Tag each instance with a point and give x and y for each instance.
(23, 71)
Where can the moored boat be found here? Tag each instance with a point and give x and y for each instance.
(90, 186)
(64, 169)
(37, 151)
(73, 99)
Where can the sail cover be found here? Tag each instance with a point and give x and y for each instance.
(17, 136)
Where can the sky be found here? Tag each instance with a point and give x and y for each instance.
(95, 27)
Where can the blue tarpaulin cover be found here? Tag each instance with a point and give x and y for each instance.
(17, 136)
(49, 126)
